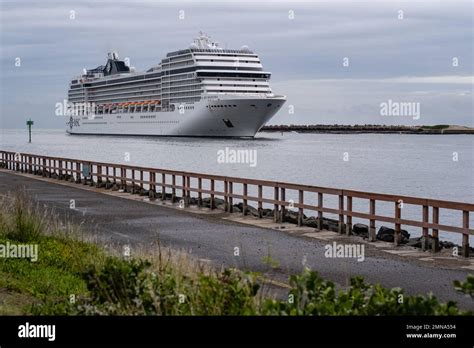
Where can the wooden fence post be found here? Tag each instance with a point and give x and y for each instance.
(435, 243)
(183, 190)
(283, 207)
(231, 199)
(173, 188)
(425, 241)
(465, 236)
(300, 209)
(320, 213)
(212, 202)
(341, 214)
(397, 234)
(199, 192)
(244, 203)
(188, 190)
(163, 186)
(349, 217)
(372, 236)
(226, 197)
(275, 205)
(133, 181)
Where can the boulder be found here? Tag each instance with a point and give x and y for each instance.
(416, 243)
(386, 234)
(236, 208)
(360, 230)
(311, 222)
(267, 213)
(327, 224)
(252, 211)
(330, 225)
(291, 216)
(448, 245)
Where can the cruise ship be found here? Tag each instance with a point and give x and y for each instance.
(203, 91)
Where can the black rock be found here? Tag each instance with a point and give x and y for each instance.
(267, 213)
(292, 216)
(386, 234)
(360, 230)
(414, 242)
(311, 222)
(447, 245)
(236, 208)
(252, 211)
(327, 224)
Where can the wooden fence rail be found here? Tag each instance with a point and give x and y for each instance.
(235, 188)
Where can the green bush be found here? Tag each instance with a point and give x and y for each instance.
(466, 287)
(122, 287)
(312, 295)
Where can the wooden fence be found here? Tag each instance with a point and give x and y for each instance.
(235, 188)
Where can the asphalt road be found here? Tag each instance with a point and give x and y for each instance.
(120, 221)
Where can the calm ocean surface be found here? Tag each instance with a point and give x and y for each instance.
(417, 165)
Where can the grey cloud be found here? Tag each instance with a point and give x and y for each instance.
(299, 52)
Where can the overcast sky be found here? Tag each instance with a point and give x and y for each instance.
(303, 44)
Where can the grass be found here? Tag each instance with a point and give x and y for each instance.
(57, 272)
(80, 277)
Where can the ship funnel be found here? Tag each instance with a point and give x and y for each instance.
(113, 55)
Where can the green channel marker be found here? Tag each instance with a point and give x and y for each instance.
(29, 123)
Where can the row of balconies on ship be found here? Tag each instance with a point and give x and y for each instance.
(182, 76)
(176, 86)
(174, 94)
(177, 94)
(198, 89)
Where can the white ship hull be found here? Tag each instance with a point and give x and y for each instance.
(230, 116)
